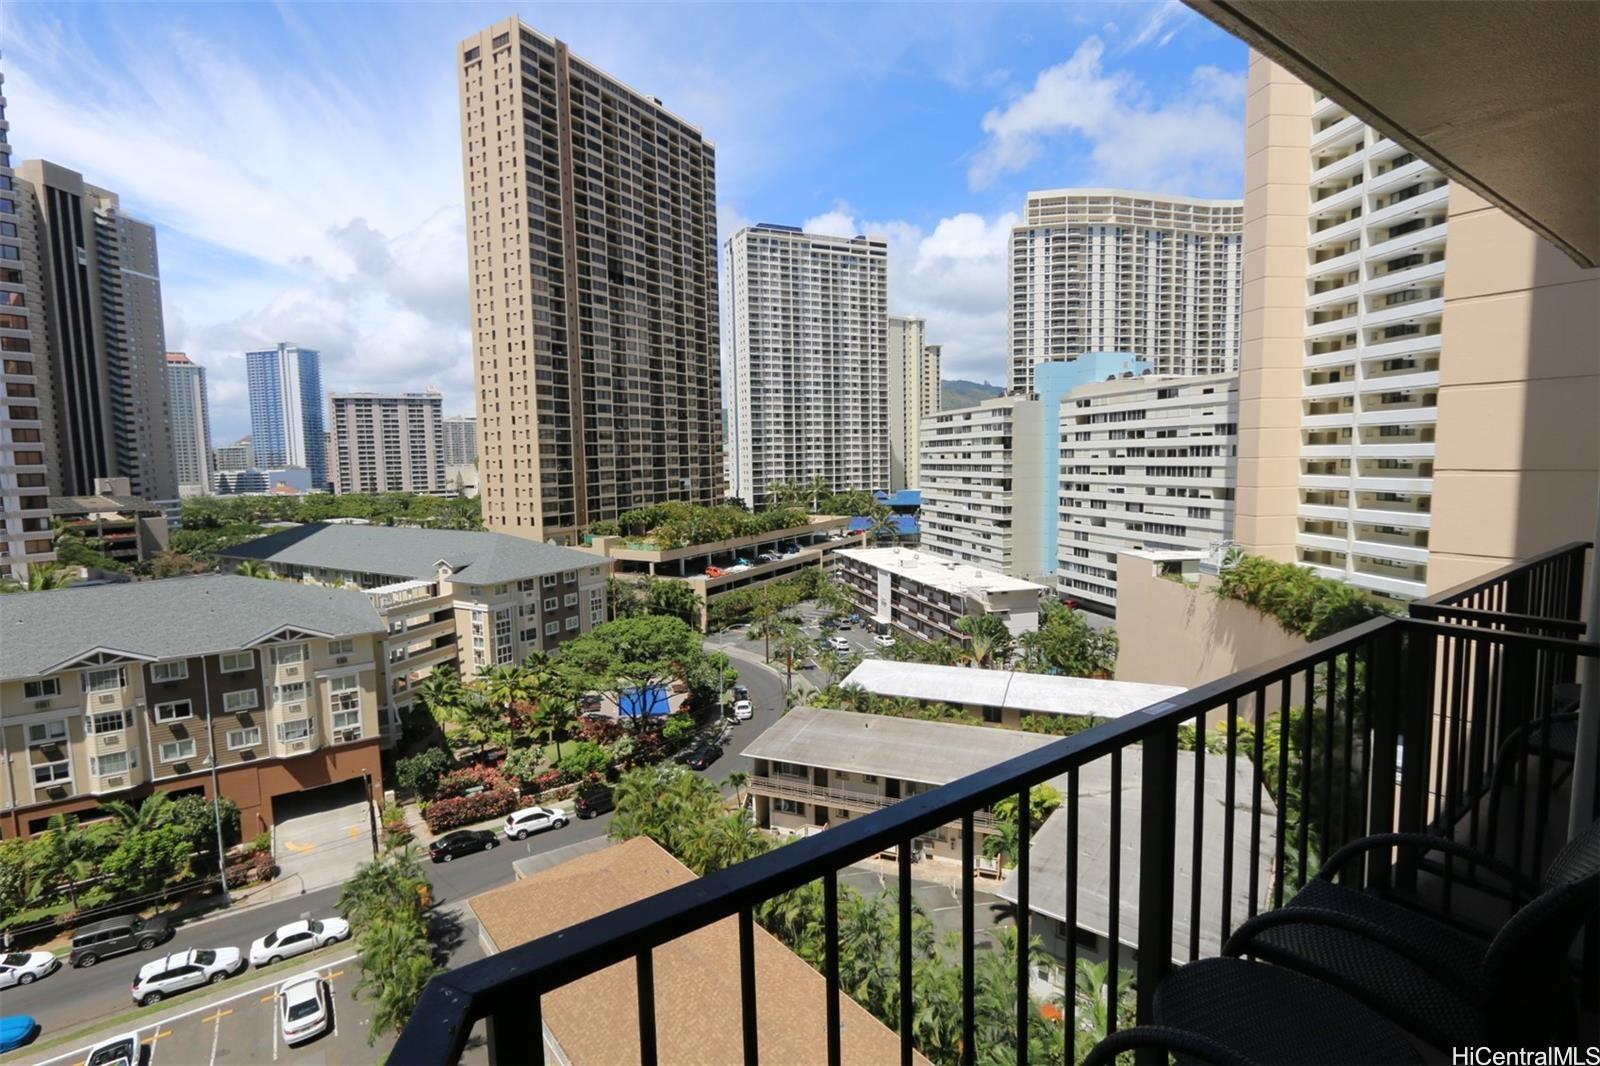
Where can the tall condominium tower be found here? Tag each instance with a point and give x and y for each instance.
(810, 360)
(191, 424)
(460, 440)
(27, 447)
(913, 396)
(102, 299)
(1106, 270)
(286, 424)
(388, 443)
(591, 230)
(985, 494)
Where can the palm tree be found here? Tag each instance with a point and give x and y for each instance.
(387, 886)
(256, 568)
(57, 855)
(507, 687)
(790, 640)
(990, 641)
(153, 813)
(396, 965)
(764, 611)
(443, 692)
(815, 489)
(41, 578)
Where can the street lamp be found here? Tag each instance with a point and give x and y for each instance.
(216, 821)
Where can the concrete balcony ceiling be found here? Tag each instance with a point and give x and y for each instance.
(1504, 98)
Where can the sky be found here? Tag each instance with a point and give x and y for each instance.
(302, 162)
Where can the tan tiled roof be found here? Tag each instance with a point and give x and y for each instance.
(596, 1019)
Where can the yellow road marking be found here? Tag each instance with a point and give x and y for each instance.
(153, 1037)
(354, 831)
(269, 997)
(302, 848)
(336, 973)
(217, 1017)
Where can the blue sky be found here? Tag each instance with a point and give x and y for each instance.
(302, 161)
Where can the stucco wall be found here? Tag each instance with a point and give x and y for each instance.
(1180, 634)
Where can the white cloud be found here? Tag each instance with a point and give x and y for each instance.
(1154, 26)
(1192, 143)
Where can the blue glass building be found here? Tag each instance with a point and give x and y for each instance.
(286, 421)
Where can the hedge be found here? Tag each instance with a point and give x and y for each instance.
(457, 811)
(1296, 597)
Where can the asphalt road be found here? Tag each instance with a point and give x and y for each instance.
(70, 999)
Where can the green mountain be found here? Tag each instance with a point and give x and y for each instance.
(960, 393)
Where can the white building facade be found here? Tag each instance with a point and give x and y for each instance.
(809, 317)
(191, 424)
(913, 397)
(1109, 270)
(1146, 463)
(388, 442)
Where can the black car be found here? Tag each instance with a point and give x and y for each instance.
(740, 693)
(704, 756)
(461, 842)
(594, 801)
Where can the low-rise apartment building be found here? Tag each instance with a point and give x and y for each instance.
(1003, 697)
(119, 525)
(258, 689)
(924, 596)
(467, 599)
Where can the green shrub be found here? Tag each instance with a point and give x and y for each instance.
(421, 772)
(1300, 600)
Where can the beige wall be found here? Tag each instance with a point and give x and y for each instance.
(1173, 633)
(1277, 173)
(1518, 439)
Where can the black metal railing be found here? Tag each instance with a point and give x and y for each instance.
(1388, 726)
(1542, 594)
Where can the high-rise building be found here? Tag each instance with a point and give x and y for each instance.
(27, 447)
(1107, 270)
(460, 440)
(102, 300)
(286, 425)
(985, 500)
(913, 396)
(388, 442)
(591, 233)
(1147, 463)
(191, 424)
(810, 340)
(236, 456)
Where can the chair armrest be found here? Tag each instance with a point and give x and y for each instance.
(1175, 1041)
(1426, 842)
(1242, 942)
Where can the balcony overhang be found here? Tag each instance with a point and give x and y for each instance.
(1502, 97)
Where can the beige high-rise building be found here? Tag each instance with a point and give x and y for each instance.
(913, 396)
(389, 442)
(811, 381)
(191, 424)
(1391, 320)
(1109, 270)
(591, 231)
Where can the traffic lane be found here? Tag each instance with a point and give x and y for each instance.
(766, 703)
(72, 997)
(468, 875)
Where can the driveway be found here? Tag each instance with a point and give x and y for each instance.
(321, 847)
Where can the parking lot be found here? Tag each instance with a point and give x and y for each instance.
(240, 1022)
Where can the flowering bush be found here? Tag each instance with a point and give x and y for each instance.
(257, 866)
(457, 782)
(551, 779)
(600, 731)
(456, 811)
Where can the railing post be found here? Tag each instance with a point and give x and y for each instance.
(1158, 816)
(1384, 699)
(1416, 690)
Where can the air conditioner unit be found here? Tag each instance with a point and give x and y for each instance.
(108, 740)
(115, 782)
(344, 736)
(106, 699)
(42, 705)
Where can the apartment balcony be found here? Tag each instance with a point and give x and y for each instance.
(1427, 237)
(1328, 389)
(1348, 130)
(1407, 519)
(1415, 205)
(1416, 310)
(1397, 177)
(1345, 165)
(1364, 698)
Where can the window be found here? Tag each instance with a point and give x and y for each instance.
(116, 762)
(991, 715)
(177, 750)
(109, 723)
(176, 711)
(48, 773)
(869, 779)
(243, 699)
(500, 590)
(104, 680)
(597, 607)
(791, 768)
(162, 672)
(342, 647)
(551, 603)
(790, 806)
(504, 644)
(296, 729)
(570, 599)
(294, 692)
(235, 661)
(549, 581)
(42, 733)
(552, 628)
(570, 576)
(345, 699)
(572, 623)
(286, 654)
(244, 738)
(41, 690)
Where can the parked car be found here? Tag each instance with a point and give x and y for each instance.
(884, 640)
(17, 1030)
(124, 1050)
(714, 571)
(768, 557)
(461, 842)
(533, 819)
(740, 692)
(26, 967)
(304, 1010)
(297, 938)
(590, 701)
(593, 801)
(704, 756)
(115, 936)
(838, 644)
(185, 970)
(744, 710)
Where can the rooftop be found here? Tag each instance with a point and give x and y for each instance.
(935, 570)
(43, 632)
(98, 504)
(596, 1019)
(910, 749)
(1039, 693)
(403, 552)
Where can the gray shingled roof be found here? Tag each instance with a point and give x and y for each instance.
(166, 619)
(408, 552)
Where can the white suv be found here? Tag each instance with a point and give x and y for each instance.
(743, 710)
(533, 819)
(185, 970)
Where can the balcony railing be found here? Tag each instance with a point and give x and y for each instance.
(1397, 724)
(783, 787)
